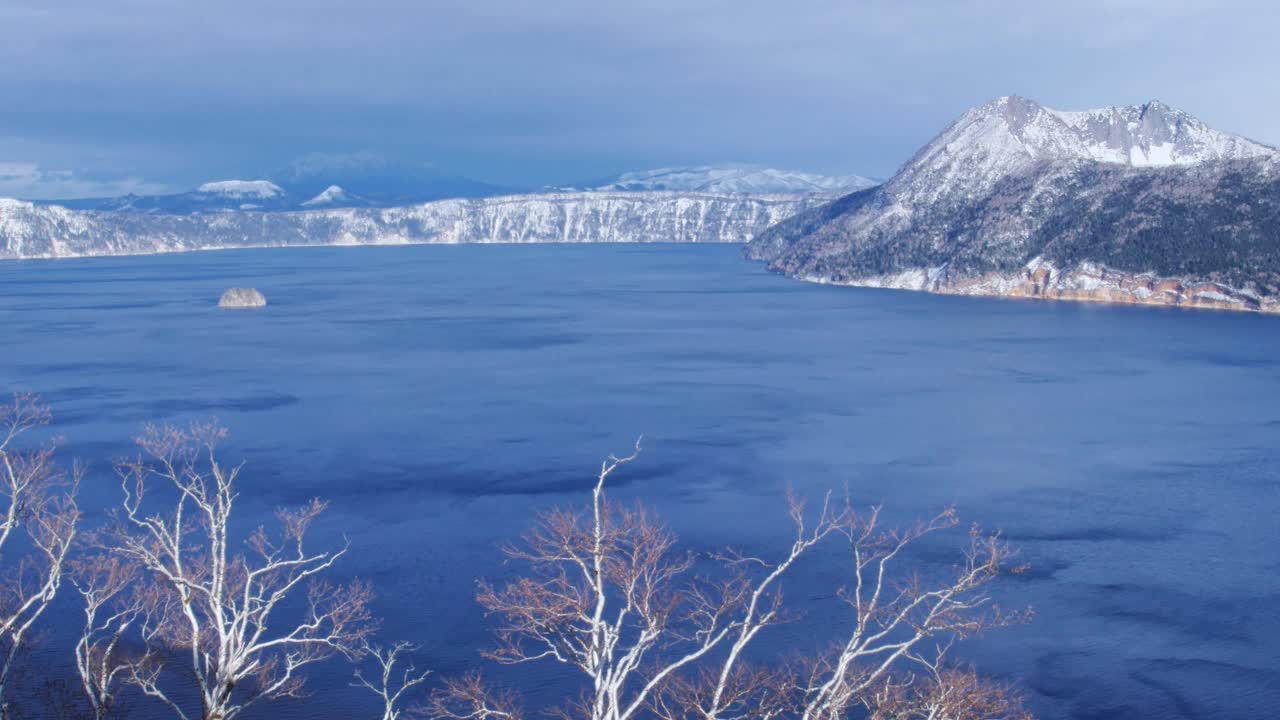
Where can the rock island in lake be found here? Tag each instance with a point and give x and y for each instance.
(241, 298)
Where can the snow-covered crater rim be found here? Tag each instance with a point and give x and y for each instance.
(242, 189)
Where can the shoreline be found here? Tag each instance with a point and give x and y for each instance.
(1089, 283)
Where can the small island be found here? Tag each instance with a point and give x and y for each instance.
(242, 299)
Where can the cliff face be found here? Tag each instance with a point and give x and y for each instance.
(32, 231)
(1143, 205)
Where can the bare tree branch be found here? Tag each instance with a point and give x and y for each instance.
(468, 698)
(113, 607)
(395, 677)
(38, 505)
(893, 616)
(948, 694)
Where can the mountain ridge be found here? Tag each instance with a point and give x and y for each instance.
(732, 178)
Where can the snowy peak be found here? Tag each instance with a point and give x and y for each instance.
(242, 189)
(1010, 136)
(332, 195)
(1148, 135)
(734, 179)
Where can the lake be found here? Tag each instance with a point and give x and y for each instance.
(440, 395)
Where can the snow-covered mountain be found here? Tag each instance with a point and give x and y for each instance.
(334, 196)
(1144, 194)
(242, 189)
(734, 179)
(29, 230)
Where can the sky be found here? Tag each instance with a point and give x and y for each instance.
(105, 97)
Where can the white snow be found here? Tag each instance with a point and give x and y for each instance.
(1038, 263)
(1150, 135)
(261, 189)
(926, 279)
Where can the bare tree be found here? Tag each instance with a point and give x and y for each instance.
(609, 593)
(38, 524)
(582, 567)
(611, 596)
(221, 607)
(396, 676)
(112, 607)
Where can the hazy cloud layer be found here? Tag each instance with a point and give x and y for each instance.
(520, 92)
(29, 180)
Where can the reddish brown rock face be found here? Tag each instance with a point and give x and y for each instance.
(1093, 283)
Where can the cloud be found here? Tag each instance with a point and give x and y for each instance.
(562, 90)
(29, 181)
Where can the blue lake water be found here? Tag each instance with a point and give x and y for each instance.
(440, 395)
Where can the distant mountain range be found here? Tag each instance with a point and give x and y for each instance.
(740, 179)
(210, 197)
(370, 181)
(294, 191)
(1143, 204)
